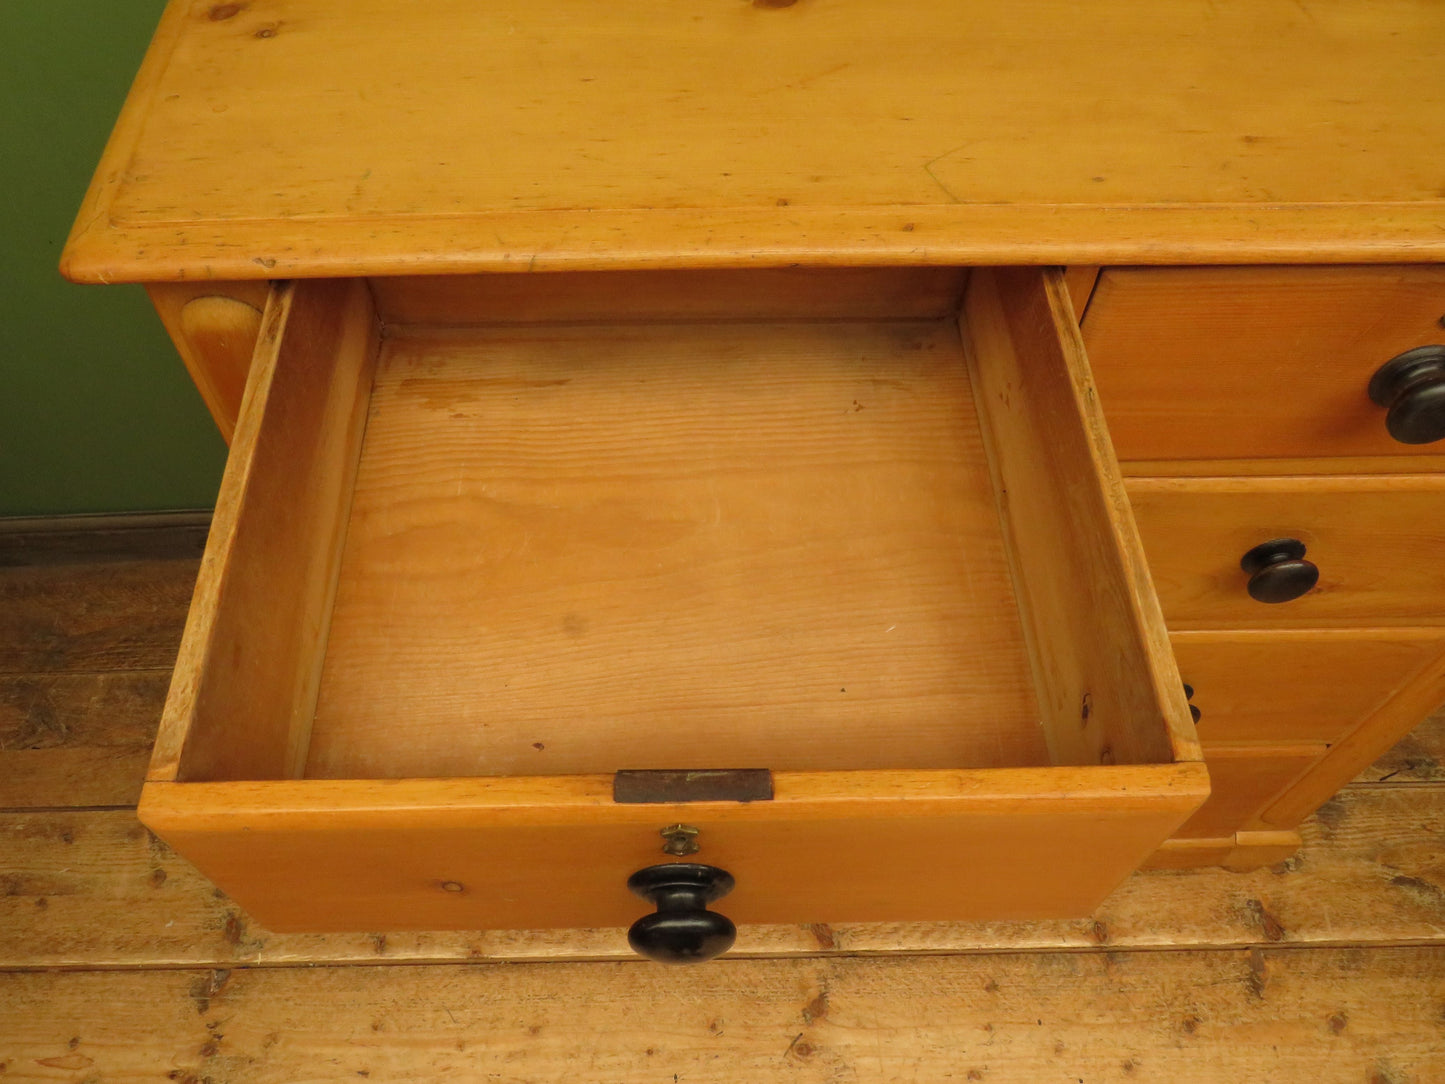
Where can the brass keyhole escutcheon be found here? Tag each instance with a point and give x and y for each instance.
(680, 840)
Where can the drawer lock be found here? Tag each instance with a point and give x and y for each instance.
(680, 840)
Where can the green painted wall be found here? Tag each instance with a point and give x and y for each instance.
(96, 411)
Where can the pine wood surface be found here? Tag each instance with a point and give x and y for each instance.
(1376, 540)
(1293, 980)
(1239, 852)
(844, 131)
(241, 703)
(1311, 685)
(93, 888)
(1244, 780)
(1108, 687)
(1354, 753)
(574, 550)
(116, 896)
(1212, 468)
(668, 295)
(214, 326)
(1273, 1014)
(1418, 757)
(1245, 363)
(780, 558)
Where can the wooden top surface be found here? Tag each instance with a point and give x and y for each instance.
(318, 137)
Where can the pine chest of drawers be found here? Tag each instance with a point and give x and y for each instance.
(705, 431)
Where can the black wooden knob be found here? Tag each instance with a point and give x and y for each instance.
(683, 930)
(1278, 571)
(1194, 713)
(1411, 387)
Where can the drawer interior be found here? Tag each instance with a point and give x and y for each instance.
(483, 543)
(752, 520)
(598, 547)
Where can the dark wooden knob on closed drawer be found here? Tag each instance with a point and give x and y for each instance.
(1278, 571)
(683, 930)
(1194, 712)
(1411, 387)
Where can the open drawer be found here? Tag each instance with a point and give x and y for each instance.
(462, 576)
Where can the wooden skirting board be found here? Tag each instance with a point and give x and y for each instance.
(119, 960)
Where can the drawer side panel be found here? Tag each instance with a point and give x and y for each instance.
(1108, 686)
(244, 690)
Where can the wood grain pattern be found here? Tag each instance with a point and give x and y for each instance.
(245, 683)
(1256, 362)
(1418, 463)
(1107, 684)
(1377, 542)
(1418, 757)
(830, 846)
(1238, 852)
(673, 546)
(1258, 847)
(77, 739)
(214, 326)
(1080, 280)
(1356, 751)
(667, 295)
(95, 889)
(93, 616)
(1327, 1016)
(852, 132)
(1243, 781)
(1311, 685)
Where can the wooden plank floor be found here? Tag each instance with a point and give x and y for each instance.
(118, 962)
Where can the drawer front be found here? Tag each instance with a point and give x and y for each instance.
(1268, 362)
(1310, 685)
(1377, 542)
(1243, 781)
(324, 855)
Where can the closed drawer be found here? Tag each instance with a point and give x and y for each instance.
(1308, 685)
(1244, 780)
(462, 577)
(1377, 542)
(1211, 363)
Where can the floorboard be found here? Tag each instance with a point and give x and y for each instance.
(77, 739)
(1347, 1016)
(119, 962)
(1417, 758)
(93, 616)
